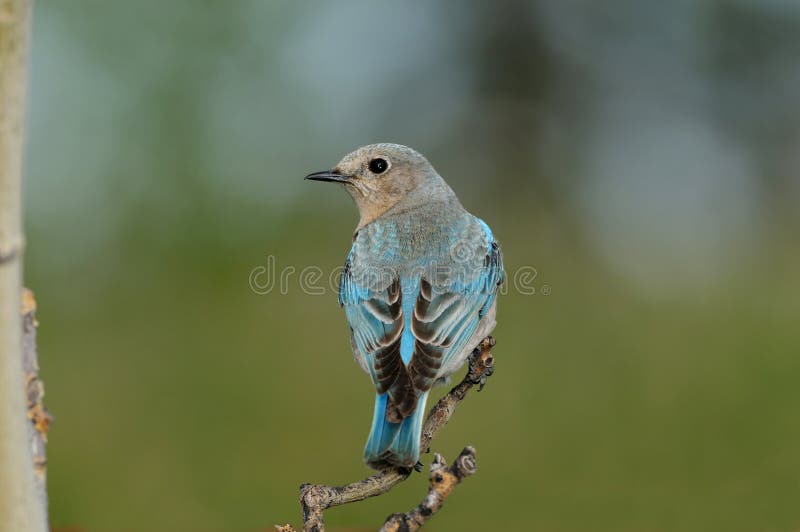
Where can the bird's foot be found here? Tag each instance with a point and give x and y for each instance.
(405, 470)
(481, 362)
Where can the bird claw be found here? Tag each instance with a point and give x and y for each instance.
(418, 466)
(481, 363)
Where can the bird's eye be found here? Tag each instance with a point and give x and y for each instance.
(378, 166)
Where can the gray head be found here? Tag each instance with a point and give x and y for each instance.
(382, 176)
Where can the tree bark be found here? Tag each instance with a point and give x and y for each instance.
(21, 507)
(39, 418)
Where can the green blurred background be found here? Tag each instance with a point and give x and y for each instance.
(639, 162)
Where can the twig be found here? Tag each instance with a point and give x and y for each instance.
(443, 479)
(316, 498)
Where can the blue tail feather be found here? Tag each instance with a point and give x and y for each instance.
(382, 433)
(394, 443)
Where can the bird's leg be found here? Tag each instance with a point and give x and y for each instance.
(481, 362)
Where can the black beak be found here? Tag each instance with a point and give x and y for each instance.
(328, 175)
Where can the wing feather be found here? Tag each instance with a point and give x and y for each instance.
(441, 321)
(445, 318)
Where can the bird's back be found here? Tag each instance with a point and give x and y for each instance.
(410, 242)
(437, 244)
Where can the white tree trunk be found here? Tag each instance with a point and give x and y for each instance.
(21, 507)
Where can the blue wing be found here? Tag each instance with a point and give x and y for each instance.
(445, 319)
(375, 315)
(433, 320)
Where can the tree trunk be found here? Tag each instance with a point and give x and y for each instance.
(21, 507)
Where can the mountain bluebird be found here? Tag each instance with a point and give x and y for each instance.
(419, 288)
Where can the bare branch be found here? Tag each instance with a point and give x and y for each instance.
(316, 498)
(443, 480)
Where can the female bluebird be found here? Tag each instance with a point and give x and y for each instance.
(419, 288)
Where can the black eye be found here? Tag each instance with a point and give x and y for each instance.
(378, 166)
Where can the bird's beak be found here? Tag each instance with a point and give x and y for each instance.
(329, 175)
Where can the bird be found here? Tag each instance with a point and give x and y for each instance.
(419, 288)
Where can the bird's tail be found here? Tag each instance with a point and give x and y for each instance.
(394, 444)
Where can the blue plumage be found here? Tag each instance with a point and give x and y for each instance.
(418, 289)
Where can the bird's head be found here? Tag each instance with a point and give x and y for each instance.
(381, 176)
